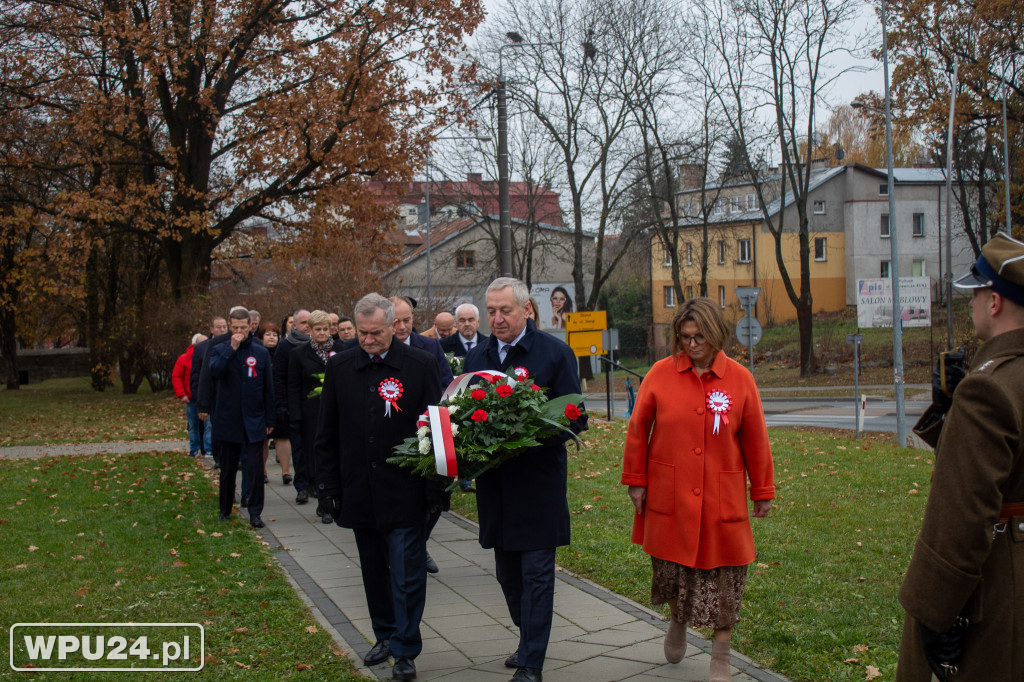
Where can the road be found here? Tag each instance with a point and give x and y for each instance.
(879, 415)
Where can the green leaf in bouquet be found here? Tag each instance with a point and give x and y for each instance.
(555, 408)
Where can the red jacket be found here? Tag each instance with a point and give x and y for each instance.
(181, 372)
(696, 511)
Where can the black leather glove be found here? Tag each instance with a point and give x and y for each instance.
(942, 400)
(943, 650)
(438, 499)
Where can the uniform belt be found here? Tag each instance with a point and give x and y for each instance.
(1009, 510)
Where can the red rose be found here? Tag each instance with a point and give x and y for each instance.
(478, 394)
(572, 412)
(535, 387)
(494, 378)
(504, 390)
(479, 416)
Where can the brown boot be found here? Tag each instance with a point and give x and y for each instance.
(720, 671)
(675, 641)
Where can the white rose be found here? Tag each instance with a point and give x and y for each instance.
(452, 409)
(424, 446)
(455, 429)
(422, 431)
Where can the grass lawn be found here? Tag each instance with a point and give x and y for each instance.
(831, 555)
(69, 411)
(135, 538)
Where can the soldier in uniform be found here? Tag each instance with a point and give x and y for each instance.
(964, 590)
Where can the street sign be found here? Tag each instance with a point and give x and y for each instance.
(748, 296)
(587, 343)
(748, 331)
(586, 321)
(852, 339)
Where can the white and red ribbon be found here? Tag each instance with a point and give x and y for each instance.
(390, 390)
(444, 443)
(251, 362)
(719, 402)
(460, 382)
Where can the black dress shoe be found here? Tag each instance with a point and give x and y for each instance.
(326, 518)
(224, 517)
(431, 565)
(379, 653)
(404, 669)
(302, 497)
(266, 479)
(527, 675)
(256, 522)
(286, 479)
(513, 660)
(245, 501)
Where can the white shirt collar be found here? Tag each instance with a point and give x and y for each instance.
(502, 345)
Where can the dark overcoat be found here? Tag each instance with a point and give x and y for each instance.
(417, 340)
(965, 562)
(303, 410)
(204, 392)
(355, 438)
(244, 405)
(453, 344)
(522, 503)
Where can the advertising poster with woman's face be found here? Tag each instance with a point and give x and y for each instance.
(553, 302)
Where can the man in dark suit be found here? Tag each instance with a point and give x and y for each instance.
(467, 321)
(218, 328)
(522, 504)
(298, 336)
(410, 337)
(244, 409)
(372, 398)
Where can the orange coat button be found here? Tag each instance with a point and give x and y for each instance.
(700, 410)
(696, 491)
(696, 451)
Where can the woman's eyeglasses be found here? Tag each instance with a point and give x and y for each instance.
(688, 340)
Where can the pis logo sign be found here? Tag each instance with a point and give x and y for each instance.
(872, 287)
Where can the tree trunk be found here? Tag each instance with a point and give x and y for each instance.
(9, 347)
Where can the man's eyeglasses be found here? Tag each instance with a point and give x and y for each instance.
(688, 340)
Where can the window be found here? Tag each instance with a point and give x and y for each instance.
(751, 202)
(820, 248)
(819, 207)
(883, 189)
(465, 260)
(743, 248)
(689, 253)
(919, 268)
(670, 297)
(668, 258)
(883, 271)
(721, 296)
(719, 207)
(735, 204)
(689, 291)
(918, 226)
(721, 252)
(884, 226)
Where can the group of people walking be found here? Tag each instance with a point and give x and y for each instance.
(696, 451)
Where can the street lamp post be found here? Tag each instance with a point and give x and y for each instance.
(1006, 138)
(426, 196)
(894, 253)
(504, 212)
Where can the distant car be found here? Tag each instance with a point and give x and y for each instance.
(909, 314)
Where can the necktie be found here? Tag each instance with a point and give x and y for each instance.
(375, 358)
(504, 351)
(469, 346)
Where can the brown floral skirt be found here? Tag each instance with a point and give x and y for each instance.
(705, 597)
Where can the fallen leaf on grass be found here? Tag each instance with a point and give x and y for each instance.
(241, 630)
(32, 548)
(216, 535)
(336, 651)
(82, 591)
(235, 555)
(872, 673)
(243, 665)
(852, 661)
(78, 557)
(22, 566)
(172, 552)
(303, 666)
(179, 564)
(311, 629)
(860, 648)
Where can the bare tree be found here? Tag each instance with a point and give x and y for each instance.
(571, 78)
(775, 59)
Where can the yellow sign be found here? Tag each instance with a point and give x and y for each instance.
(587, 321)
(586, 343)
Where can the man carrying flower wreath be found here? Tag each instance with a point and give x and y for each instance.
(371, 399)
(522, 504)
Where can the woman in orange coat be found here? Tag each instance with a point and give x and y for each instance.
(696, 434)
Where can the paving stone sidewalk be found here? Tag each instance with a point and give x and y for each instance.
(597, 635)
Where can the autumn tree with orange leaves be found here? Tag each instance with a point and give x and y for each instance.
(188, 121)
(925, 39)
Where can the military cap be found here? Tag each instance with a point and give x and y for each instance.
(1000, 267)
